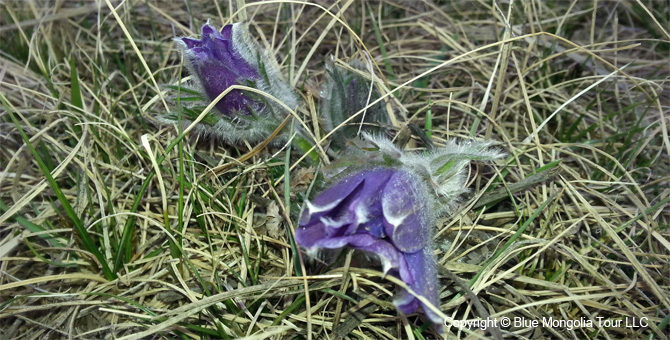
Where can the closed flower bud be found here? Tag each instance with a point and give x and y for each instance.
(344, 94)
(219, 60)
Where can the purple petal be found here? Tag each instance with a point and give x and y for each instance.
(309, 237)
(191, 43)
(208, 29)
(406, 212)
(353, 201)
(366, 207)
(392, 259)
(374, 179)
(423, 273)
(405, 302)
(329, 200)
(227, 31)
(374, 227)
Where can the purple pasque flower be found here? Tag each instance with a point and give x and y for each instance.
(383, 211)
(216, 64)
(221, 59)
(388, 204)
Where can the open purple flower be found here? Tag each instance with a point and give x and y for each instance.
(383, 211)
(221, 59)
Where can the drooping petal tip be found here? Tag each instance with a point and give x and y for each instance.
(423, 270)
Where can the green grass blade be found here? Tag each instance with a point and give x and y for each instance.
(86, 239)
(35, 228)
(429, 121)
(75, 96)
(382, 48)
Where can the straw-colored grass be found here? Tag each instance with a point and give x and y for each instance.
(113, 226)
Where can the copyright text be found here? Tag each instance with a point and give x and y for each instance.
(521, 322)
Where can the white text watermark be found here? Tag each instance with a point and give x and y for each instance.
(549, 322)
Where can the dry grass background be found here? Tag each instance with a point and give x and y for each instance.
(105, 248)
